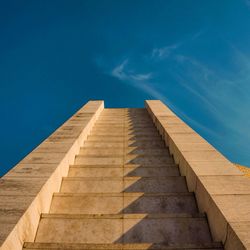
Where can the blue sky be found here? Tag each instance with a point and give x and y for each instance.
(56, 55)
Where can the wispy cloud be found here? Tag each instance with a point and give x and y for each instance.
(197, 34)
(141, 77)
(118, 71)
(221, 96)
(163, 52)
(247, 2)
(226, 96)
(124, 73)
(143, 81)
(160, 53)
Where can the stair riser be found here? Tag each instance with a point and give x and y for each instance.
(147, 185)
(146, 160)
(139, 145)
(123, 138)
(120, 172)
(125, 121)
(91, 151)
(118, 204)
(99, 160)
(67, 247)
(123, 130)
(119, 160)
(99, 132)
(170, 231)
(124, 126)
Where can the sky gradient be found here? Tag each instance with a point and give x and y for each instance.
(56, 55)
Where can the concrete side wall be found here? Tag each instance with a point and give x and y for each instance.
(221, 190)
(26, 190)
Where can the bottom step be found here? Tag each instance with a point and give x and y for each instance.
(167, 229)
(65, 246)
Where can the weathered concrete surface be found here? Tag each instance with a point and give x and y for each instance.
(131, 228)
(115, 203)
(123, 191)
(221, 190)
(121, 184)
(26, 190)
(119, 246)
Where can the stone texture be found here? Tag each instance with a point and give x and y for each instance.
(138, 229)
(75, 229)
(221, 190)
(238, 236)
(83, 160)
(109, 182)
(155, 185)
(26, 190)
(91, 185)
(77, 171)
(160, 203)
(86, 204)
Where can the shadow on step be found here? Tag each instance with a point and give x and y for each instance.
(151, 171)
(170, 230)
(144, 205)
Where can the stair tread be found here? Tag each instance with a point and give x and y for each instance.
(196, 216)
(123, 203)
(124, 228)
(124, 178)
(126, 165)
(125, 246)
(125, 194)
(120, 171)
(124, 184)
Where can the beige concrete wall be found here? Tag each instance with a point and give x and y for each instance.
(26, 190)
(221, 190)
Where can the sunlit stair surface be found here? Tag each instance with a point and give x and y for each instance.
(123, 192)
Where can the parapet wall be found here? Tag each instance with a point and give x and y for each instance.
(26, 190)
(221, 190)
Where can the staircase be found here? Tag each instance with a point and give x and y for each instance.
(123, 192)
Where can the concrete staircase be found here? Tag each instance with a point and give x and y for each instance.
(123, 192)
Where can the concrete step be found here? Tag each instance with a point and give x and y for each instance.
(120, 171)
(92, 151)
(148, 160)
(103, 144)
(123, 138)
(112, 118)
(123, 129)
(117, 246)
(135, 144)
(126, 184)
(96, 171)
(126, 120)
(126, 116)
(148, 151)
(149, 171)
(98, 160)
(127, 228)
(125, 126)
(130, 203)
(119, 160)
(145, 143)
(141, 123)
(119, 132)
